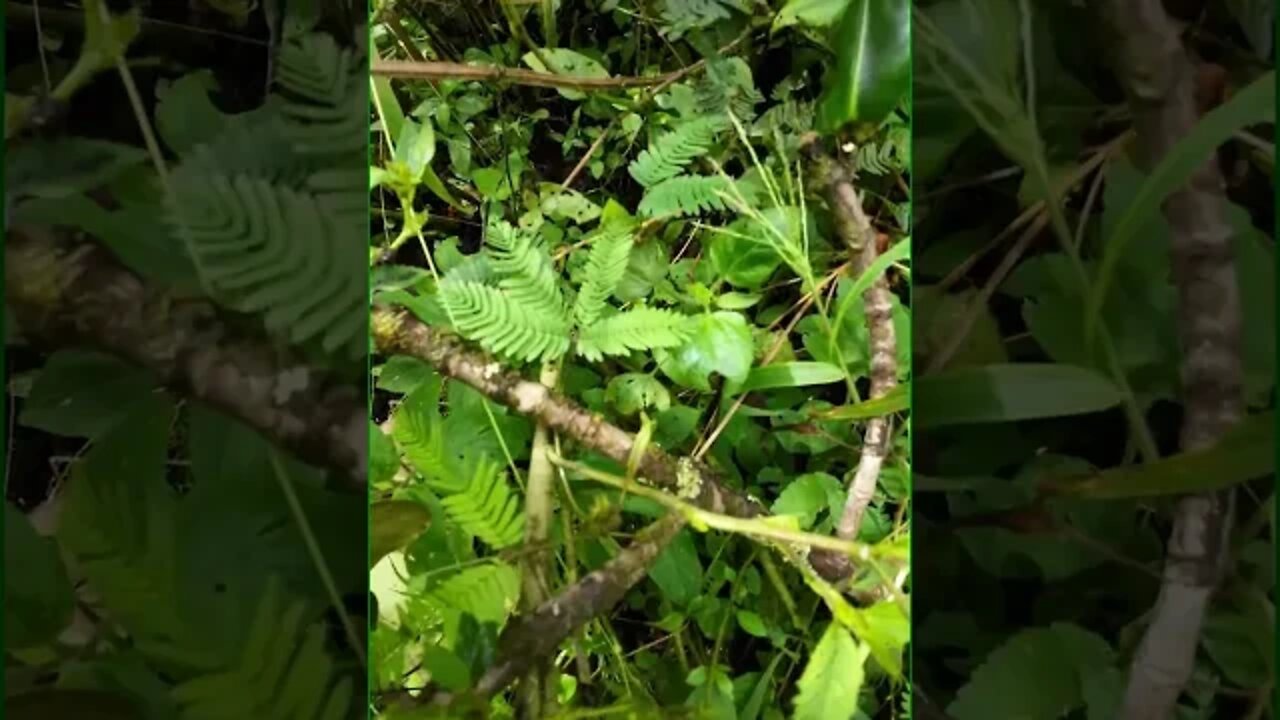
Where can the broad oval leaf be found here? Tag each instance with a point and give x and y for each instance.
(718, 342)
(873, 64)
(394, 524)
(1010, 393)
(832, 679)
(416, 146)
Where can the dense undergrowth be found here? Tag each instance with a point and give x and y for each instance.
(665, 256)
(1031, 604)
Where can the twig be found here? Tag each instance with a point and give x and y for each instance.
(537, 691)
(539, 633)
(65, 292)
(854, 228)
(435, 71)
(1158, 79)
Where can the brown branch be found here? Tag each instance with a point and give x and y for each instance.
(436, 71)
(854, 228)
(395, 332)
(539, 633)
(65, 293)
(1159, 81)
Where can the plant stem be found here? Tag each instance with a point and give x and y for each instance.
(537, 691)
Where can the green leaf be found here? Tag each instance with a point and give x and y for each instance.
(828, 689)
(1036, 675)
(566, 62)
(873, 64)
(185, 114)
(744, 260)
(446, 668)
(717, 342)
(1010, 393)
(67, 166)
(813, 13)
(752, 623)
(561, 204)
(392, 116)
(135, 232)
(384, 462)
(896, 400)
(487, 592)
(38, 601)
(640, 328)
(632, 392)
(1245, 453)
(1252, 105)
(790, 375)
(806, 496)
(84, 394)
(737, 300)
(416, 146)
(606, 264)
(403, 374)
(393, 524)
(678, 570)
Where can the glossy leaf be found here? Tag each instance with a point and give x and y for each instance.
(718, 343)
(387, 103)
(416, 146)
(812, 13)
(873, 64)
(791, 374)
(1010, 393)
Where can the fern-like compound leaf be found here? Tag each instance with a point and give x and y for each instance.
(667, 156)
(266, 248)
(486, 507)
(606, 265)
(525, 269)
(283, 672)
(487, 592)
(686, 195)
(681, 16)
(504, 325)
(642, 328)
(323, 112)
(417, 431)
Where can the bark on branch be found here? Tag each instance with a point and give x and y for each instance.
(67, 293)
(395, 332)
(537, 634)
(854, 228)
(1159, 80)
(436, 71)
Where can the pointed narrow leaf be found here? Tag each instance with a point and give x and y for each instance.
(791, 374)
(1009, 393)
(1246, 453)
